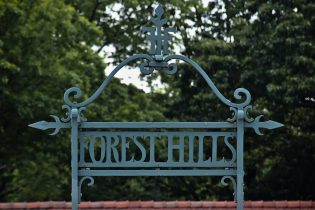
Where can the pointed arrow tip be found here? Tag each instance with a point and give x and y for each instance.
(274, 124)
(280, 125)
(33, 125)
(39, 125)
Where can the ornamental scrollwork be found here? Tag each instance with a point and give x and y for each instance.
(148, 68)
(90, 183)
(158, 58)
(246, 114)
(81, 117)
(234, 115)
(232, 180)
(68, 115)
(247, 117)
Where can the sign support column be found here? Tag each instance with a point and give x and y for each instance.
(74, 158)
(240, 159)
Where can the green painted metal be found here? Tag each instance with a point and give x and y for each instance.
(213, 172)
(115, 147)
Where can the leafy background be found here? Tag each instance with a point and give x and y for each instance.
(266, 46)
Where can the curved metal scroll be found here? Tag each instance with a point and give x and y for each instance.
(237, 92)
(223, 182)
(77, 93)
(81, 182)
(172, 68)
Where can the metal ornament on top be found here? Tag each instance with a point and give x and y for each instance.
(113, 146)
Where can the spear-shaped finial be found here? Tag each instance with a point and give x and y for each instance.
(159, 11)
(158, 37)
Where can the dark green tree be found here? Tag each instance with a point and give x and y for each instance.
(280, 55)
(45, 48)
(268, 48)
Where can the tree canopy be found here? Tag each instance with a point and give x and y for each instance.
(265, 46)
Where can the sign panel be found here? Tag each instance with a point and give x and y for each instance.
(139, 149)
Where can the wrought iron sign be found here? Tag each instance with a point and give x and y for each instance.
(130, 148)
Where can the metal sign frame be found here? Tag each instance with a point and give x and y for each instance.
(84, 137)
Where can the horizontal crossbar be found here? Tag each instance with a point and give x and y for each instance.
(157, 125)
(160, 164)
(157, 134)
(87, 172)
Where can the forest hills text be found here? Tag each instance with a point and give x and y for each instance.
(157, 149)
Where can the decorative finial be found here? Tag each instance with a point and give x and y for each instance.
(159, 11)
(158, 35)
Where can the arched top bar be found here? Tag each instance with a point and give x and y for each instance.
(77, 93)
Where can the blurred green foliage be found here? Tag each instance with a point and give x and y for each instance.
(264, 46)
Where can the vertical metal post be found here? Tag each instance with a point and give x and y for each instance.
(74, 158)
(240, 160)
